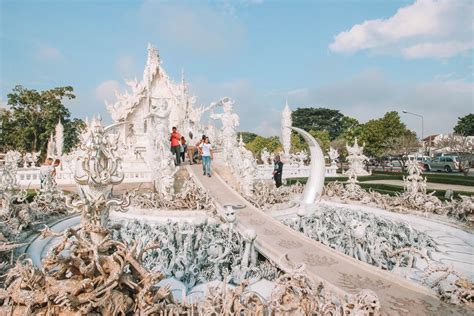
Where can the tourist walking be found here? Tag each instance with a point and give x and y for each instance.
(56, 164)
(191, 150)
(277, 171)
(197, 153)
(175, 140)
(183, 149)
(46, 170)
(207, 155)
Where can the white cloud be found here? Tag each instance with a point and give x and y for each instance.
(105, 91)
(425, 29)
(46, 52)
(370, 95)
(197, 28)
(436, 50)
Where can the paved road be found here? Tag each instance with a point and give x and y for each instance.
(429, 185)
(342, 273)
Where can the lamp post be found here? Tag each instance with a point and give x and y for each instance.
(422, 126)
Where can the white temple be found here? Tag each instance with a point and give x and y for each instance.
(134, 109)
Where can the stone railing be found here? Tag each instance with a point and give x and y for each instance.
(264, 172)
(30, 177)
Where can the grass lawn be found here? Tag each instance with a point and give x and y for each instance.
(393, 189)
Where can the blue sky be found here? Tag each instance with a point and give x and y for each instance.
(363, 58)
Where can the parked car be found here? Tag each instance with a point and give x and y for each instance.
(423, 161)
(445, 163)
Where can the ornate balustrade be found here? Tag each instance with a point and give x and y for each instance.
(30, 177)
(264, 172)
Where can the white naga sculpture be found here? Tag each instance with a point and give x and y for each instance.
(286, 121)
(356, 160)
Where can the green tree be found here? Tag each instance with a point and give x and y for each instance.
(32, 117)
(340, 144)
(322, 119)
(297, 143)
(375, 133)
(465, 125)
(272, 144)
(402, 146)
(350, 129)
(318, 119)
(323, 139)
(247, 137)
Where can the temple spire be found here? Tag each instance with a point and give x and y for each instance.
(183, 81)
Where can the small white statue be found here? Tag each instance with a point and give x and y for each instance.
(230, 121)
(333, 155)
(356, 160)
(265, 156)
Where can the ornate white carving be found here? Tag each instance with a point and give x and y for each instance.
(356, 160)
(333, 155)
(449, 284)
(158, 154)
(265, 196)
(59, 139)
(265, 156)
(358, 234)
(239, 159)
(50, 147)
(414, 198)
(30, 159)
(96, 173)
(229, 121)
(286, 121)
(299, 158)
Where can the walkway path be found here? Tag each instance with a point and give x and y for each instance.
(343, 273)
(429, 185)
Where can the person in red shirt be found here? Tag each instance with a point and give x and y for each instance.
(175, 140)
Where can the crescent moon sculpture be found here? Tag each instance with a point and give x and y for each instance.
(315, 184)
